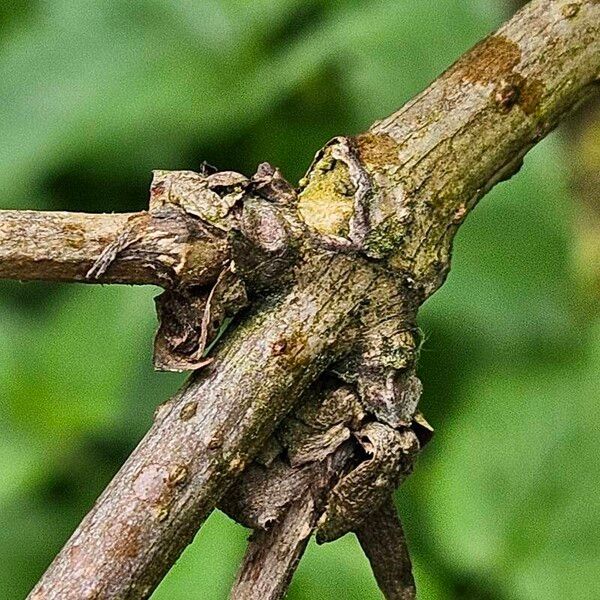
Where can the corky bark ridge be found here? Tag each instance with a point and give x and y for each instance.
(258, 216)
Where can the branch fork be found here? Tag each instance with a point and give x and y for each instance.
(305, 419)
(333, 454)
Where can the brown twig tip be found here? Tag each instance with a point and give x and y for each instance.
(383, 541)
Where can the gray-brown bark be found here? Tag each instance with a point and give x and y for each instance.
(275, 549)
(406, 186)
(383, 541)
(166, 249)
(204, 437)
(432, 160)
(273, 554)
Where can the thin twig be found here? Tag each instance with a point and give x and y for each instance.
(137, 248)
(273, 555)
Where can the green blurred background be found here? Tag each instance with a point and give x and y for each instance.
(94, 94)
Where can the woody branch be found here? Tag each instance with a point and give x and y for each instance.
(364, 242)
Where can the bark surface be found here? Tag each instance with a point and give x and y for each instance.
(378, 213)
(165, 249)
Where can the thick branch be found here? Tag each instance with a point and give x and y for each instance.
(414, 177)
(431, 161)
(204, 437)
(166, 248)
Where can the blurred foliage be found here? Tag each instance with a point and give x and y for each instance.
(94, 95)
